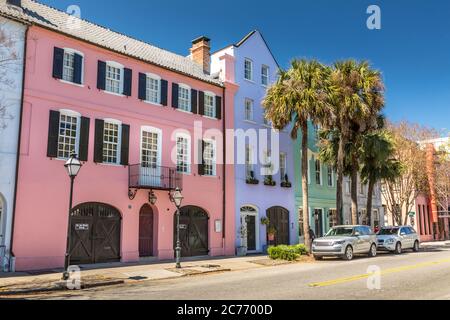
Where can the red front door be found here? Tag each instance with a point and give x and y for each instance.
(146, 231)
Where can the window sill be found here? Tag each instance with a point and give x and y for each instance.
(71, 83)
(249, 121)
(184, 111)
(211, 118)
(209, 176)
(250, 81)
(111, 164)
(114, 94)
(157, 104)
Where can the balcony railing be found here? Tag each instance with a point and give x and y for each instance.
(154, 177)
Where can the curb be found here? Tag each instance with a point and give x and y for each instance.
(60, 288)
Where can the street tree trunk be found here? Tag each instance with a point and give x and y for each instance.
(370, 199)
(305, 191)
(340, 181)
(354, 196)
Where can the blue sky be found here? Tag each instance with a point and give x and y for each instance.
(412, 49)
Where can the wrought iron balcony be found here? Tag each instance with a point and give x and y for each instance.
(154, 177)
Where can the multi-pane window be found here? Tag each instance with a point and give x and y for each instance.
(248, 69)
(184, 98)
(113, 79)
(152, 90)
(248, 108)
(330, 176)
(68, 66)
(111, 148)
(347, 187)
(68, 135)
(210, 106)
(150, 152)
(361, 188)
(265, 75)
(283, 166)
(268, 166)
(209, 157)
(248, 162)
(318, 166)
(183, 154)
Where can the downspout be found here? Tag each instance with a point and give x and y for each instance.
(18, 146)
(224, 154)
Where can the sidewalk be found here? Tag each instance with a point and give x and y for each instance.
(435, 244)
(119, 273)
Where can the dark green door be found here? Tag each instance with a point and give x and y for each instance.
(251, 233)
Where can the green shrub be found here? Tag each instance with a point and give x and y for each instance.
(289, 253)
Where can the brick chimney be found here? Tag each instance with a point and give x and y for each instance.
(201, 53)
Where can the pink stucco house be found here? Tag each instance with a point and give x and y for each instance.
(128, 109)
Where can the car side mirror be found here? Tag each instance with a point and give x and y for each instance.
(402, 233)
(356, 234)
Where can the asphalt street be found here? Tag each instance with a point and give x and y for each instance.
(423, 275)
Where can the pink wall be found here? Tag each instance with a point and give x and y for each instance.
(43, 185)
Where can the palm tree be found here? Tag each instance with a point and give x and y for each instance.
(356, 99)
(298, 96)
(377, 162)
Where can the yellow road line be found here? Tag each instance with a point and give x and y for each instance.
(383, 272)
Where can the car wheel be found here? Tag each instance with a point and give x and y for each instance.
(348, 255)
(416, 246)
(398, 248)
(318, 258)
(373, 251)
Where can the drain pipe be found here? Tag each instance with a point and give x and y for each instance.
(12, 256)
(224, 155)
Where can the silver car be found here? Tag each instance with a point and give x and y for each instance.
(345, 242)
(396, 239)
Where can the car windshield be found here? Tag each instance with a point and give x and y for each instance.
(388, 231)
(343, 231)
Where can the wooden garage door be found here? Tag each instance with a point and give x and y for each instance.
(279, 219)
(193, 231)
(95, 234)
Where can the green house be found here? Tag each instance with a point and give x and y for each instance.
(322, 187)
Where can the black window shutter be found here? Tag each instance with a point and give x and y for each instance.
(98, 140)
(125, 147)
(194, 101)
(175, 95)
(58, 61)
(164, 89)
(78, 68)
(201, 159)
(201, 103)
(127, 81)
(142, 86)
(218, 107)
(84, 139)
(101, 75)
(53, 131)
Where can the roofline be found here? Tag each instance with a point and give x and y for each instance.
(30, 23)
(244, 39)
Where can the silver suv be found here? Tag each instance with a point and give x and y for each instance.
(395, 239)
(345, 242)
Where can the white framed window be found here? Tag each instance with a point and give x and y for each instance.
(248, 69)
(268, 165)
(69, 133)
(248, 109)
(153, 92)
(210, 105)
(318, 167)
(348, 186)
(184, 98)
(248, 162)
(183, 153)
(112, 132)
(114, 77)
(330, 176)
(209, 157)
(151, 147)
(69, 65)
(283, 166)
(361, 188)
(265, 75)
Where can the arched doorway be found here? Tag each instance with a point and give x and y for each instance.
(249, 218)
(95, 233)
(146, 231)
(279, 220)
(193, 231)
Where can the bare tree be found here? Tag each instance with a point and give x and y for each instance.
(10, 61)
(442, 179)
(400, 194)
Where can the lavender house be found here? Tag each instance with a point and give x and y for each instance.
(264, 160)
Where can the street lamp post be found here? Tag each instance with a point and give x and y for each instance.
(176, 197)
(73, 166)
